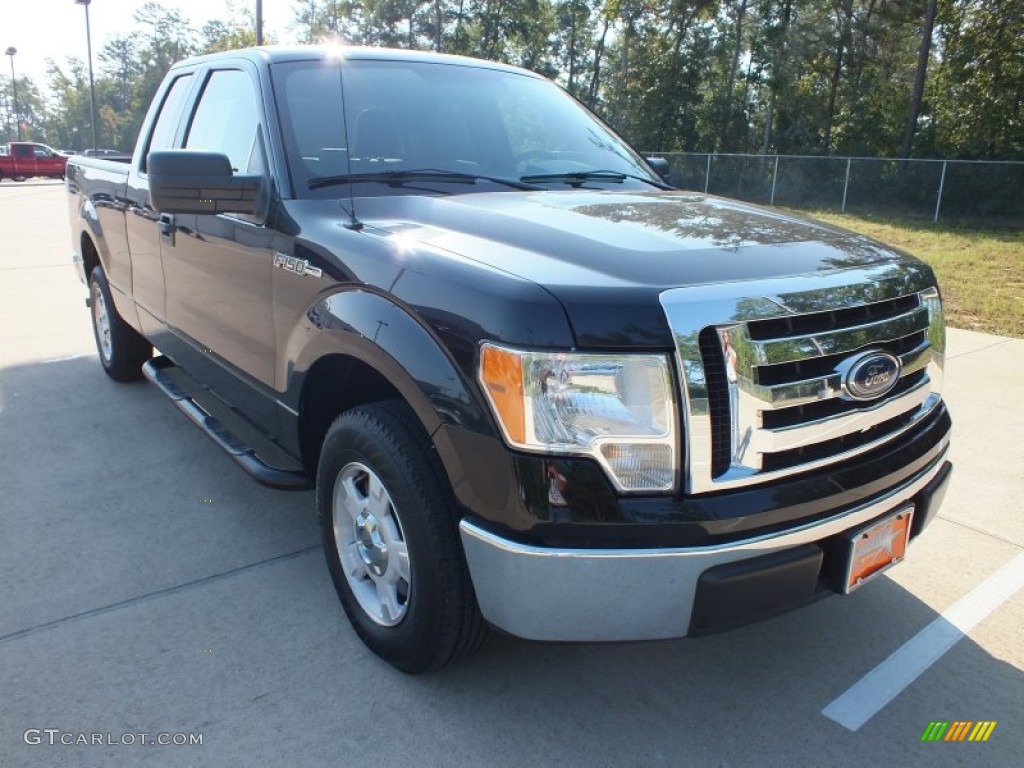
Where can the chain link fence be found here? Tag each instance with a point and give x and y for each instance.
(970, 191)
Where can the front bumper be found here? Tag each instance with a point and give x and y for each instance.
(543, 593)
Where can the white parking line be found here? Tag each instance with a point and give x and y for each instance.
(867, 696)
(66, 357)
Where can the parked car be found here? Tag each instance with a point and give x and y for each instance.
(532, 385)
(23, 160)
(102, 153)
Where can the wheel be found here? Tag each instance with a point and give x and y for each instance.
(387, 517)
(122, 349)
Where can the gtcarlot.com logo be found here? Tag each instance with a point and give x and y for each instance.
(55, 736)
(958, 730)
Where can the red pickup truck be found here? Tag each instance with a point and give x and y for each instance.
(24, 159)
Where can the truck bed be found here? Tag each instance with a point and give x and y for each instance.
(97, 180)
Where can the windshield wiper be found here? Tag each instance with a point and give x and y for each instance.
(427, 174)
(578, 177)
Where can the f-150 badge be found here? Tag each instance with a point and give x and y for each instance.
(298, 266)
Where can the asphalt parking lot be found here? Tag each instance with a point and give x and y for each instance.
(149, 586)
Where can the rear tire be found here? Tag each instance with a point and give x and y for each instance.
(121, 348)
(385, 504)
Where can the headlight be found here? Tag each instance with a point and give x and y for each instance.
(616, 408)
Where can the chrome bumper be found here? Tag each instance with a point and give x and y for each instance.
(610, 595)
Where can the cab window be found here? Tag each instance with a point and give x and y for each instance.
(227, 120)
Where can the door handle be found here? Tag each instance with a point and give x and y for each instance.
(167, 227)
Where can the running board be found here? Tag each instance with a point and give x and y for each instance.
(158, 369)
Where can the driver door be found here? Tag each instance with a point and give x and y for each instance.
(217, 268)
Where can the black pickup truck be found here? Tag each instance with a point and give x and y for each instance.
(534, 386)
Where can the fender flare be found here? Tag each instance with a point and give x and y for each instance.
(89, 227)
(387, 337)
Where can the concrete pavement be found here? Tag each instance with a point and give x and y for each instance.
(129, 604)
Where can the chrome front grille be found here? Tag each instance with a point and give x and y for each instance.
(764, 369)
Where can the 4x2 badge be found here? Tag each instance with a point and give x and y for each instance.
(298, 266)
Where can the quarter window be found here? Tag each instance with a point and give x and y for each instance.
(170, 113)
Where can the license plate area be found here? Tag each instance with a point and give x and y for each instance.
(876, 547)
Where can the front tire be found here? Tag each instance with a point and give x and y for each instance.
(122, 349)
(390, 535)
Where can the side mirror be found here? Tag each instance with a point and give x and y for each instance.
(659, 165)
(193, 181)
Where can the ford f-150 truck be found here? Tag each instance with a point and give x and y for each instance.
(23, 160)
(533, 386)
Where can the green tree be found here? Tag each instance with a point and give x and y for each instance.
(67, 113)
(978, 90)
(923, 58)
(237, 31)
(30, 110)
(791, 76)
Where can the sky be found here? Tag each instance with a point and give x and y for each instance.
(42, 29)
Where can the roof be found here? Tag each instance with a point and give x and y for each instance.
(274, 54)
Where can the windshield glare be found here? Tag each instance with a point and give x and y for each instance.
(413, 116)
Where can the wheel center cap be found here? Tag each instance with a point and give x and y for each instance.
(372, 548)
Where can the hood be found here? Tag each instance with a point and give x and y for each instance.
(601, 250)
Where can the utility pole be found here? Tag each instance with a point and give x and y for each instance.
(259, 22)
(14, 84)
(92, 83)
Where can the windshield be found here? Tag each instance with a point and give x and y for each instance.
(415, 116)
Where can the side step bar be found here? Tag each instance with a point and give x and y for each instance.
(156, 370)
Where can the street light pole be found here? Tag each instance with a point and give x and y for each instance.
(92, 84)
(14, 85)
(259, 22)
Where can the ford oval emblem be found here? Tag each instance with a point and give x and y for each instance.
(871, 375)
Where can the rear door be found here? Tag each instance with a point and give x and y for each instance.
(142, 221)
(218, 268)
